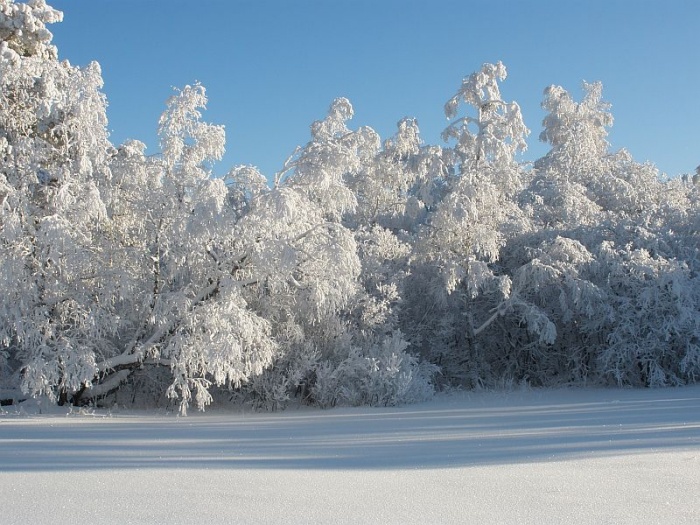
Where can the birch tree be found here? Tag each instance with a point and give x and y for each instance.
(54, 318)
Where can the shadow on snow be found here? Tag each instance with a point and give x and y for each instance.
(455, 431)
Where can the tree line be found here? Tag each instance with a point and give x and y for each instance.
(366, 271)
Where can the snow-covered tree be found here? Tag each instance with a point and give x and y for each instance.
(655, 337)
(596, 215)
(322, 316)
(465, 233)
(396, 191)
(466, 228)
(184, 307)
(361, 270)
(54, 317)
(400, 184)
(111, 260)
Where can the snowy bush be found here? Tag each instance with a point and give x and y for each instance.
(385, 375)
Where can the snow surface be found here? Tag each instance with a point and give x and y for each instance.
(531, 456)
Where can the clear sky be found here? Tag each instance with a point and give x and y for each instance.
(273, 67)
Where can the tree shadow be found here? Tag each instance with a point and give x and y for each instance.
(456, 431)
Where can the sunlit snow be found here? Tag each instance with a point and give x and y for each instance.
(533, 456)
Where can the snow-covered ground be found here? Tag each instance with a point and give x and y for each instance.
(533, 456)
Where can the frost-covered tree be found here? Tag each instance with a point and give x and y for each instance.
(397, 188)
(180, 270)
(54, 317)
(655, 337)
(112, 261)
(466, 229)
(464, 235)
(319, 168)
(359, 272)
(596, 215)
(322, 317)
(579, 181)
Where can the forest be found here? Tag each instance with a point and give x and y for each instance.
(367, 271)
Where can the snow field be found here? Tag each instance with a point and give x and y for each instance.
(535, 456)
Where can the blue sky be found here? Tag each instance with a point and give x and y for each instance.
(273, 67)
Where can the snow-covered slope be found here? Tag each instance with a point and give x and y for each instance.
(539, 456)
